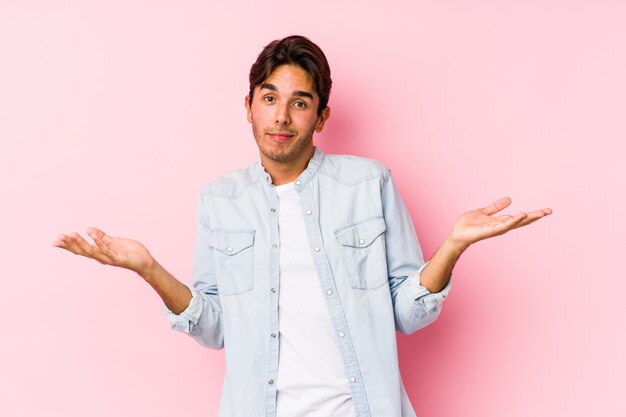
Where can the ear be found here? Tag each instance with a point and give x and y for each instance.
(321, 119)
(248, 109)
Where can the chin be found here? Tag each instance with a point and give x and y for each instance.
(278, 157)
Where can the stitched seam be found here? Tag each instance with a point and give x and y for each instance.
(369, 219)
(212, 193)
(359, 181)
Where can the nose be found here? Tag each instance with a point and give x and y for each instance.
(282, 114)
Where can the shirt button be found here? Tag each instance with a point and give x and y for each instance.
(352, 379)
(273, 335)
(229, 249)
(273, 210)
(273, 289)
(309, 212)
(271, 382)
(298, 182)
(316, 249)
(329, 292)
(361, 241)
(342, 334)
(274, 245)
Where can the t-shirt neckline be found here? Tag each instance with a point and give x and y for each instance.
(283, 188)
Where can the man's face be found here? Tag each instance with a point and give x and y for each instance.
(284, 116)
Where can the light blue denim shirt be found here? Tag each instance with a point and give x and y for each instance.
(368, 260)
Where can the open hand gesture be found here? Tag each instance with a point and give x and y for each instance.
(480, 224)
(108, 250)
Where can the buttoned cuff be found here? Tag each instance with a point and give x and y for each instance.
(187, 320)
(430, 300)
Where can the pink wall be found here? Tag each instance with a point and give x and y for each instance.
(115, 113)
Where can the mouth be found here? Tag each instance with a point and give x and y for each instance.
(280, 136)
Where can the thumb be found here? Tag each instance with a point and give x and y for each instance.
(496, 206)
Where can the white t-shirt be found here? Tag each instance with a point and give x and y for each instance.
(311, 380)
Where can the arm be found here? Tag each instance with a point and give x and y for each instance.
(194, 310)
(418, 289)
(174, 293)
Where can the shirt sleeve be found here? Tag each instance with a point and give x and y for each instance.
(414, 306)
(202, 319)
(424, 306)
(187, 320)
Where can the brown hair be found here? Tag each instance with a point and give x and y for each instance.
(294, 50)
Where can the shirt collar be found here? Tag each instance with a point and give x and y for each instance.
(305, 176)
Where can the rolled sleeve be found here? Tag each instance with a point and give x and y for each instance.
(431, 301)
(415, 306)
(187, 320)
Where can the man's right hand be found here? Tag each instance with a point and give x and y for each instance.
(109, 250)
(129, 254)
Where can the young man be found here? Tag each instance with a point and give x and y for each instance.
(306, 264)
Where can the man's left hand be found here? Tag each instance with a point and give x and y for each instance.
(480, 224)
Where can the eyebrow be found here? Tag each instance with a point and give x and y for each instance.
(297, 93)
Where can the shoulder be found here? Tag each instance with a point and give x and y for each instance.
(232, 184)
(352, 169)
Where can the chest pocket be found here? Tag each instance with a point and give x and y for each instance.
(234, 260)
(364, 253)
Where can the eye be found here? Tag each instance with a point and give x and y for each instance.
(300, 104)
(268, 99)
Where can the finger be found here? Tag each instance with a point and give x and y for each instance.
(105, 251)
(533, 217)
(85, 248)
(527, 222)
(541, 213)
(99, 254)
(512, 222)
(496, 206)
(100, 249)
(94, 233)
(101, 257)
(68, 243)
(59, 242)
(503, 217)
(75, 244)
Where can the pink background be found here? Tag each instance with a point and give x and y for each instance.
(115, 113)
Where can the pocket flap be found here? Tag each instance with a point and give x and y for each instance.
(361, 235)
(231, 242)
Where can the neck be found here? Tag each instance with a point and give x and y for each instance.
(283, 172)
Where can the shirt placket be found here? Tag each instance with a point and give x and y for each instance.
(333, 301)
(272, 334)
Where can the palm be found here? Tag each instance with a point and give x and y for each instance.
(480, 224)
(126, 252)
(108, 250)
